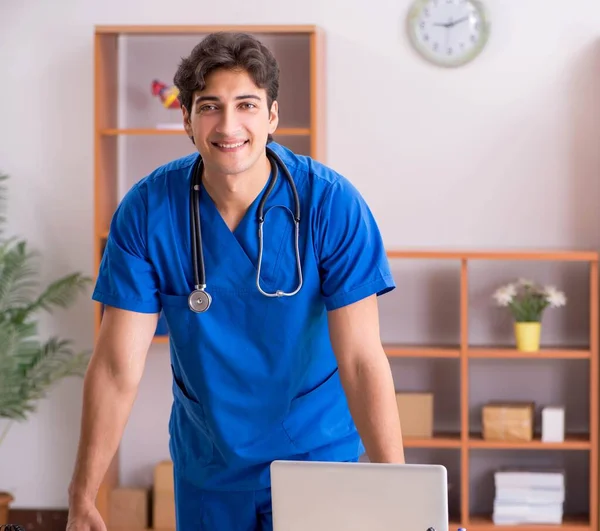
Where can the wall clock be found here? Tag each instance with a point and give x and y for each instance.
(448, 33)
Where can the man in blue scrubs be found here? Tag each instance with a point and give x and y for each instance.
(255, 378)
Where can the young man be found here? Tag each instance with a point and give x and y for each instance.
(255, 377)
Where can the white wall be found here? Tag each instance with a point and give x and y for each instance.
(501, 153)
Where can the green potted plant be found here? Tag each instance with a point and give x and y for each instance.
(30, 365)
(526, 302)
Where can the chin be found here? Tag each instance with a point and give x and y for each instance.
(232, 168)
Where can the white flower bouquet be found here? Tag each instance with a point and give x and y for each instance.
(527, 301)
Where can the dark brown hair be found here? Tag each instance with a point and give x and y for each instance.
(229, 50)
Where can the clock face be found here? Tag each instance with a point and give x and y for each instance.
(448, 32)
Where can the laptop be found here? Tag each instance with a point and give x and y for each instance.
(323, 496)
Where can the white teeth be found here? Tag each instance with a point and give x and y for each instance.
(230, 146)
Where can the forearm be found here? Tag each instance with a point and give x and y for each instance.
(108, 397)
(369, 388)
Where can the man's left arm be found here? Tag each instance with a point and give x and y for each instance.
(367, 378)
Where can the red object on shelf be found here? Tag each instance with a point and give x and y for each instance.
(167, 94)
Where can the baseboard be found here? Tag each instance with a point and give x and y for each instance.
(39, 519)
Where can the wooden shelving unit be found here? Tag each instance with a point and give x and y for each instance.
(129, 140)
(484, 523)
(117, 135)
(466, 441)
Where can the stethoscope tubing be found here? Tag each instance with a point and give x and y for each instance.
(199, 299)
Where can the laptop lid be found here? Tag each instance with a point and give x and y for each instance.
(320, 496)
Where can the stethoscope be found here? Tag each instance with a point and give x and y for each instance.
(200, 300)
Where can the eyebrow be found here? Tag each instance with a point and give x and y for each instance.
(216, 98)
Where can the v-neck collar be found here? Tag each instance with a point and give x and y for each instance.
(231, 257)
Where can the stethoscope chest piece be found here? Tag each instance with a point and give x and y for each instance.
(199, 301)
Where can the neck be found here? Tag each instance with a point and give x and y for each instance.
(233, 194)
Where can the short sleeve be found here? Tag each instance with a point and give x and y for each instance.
(352, 258)
(127, 279)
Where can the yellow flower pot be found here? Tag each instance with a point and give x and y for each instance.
(528, 336)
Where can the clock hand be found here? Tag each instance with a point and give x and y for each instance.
(458, 21)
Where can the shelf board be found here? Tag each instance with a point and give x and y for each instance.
(571, 442)
(466, 254)
(544, 352)
(420, 351)
(439, 440)
(449, 351)
(282, 131)
(292, 131)
(200, 29)
(485, 523)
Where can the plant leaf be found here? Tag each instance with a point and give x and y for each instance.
(17, 275)
(29, 367)
(61, 293)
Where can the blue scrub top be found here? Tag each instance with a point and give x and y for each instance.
(254, 378)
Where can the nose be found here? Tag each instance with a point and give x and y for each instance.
(229, 123)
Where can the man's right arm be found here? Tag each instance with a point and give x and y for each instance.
(110, 387)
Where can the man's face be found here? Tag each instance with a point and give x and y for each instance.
(230, 121)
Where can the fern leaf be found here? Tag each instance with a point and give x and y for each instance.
(12, 371)
(55, 360)
(60, 293)
(17, 275)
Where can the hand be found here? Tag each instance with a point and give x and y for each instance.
(85, 517)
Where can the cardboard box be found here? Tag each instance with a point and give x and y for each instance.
(163, 476)
(128, 508)
(416, 414)
(163, 496)
(508, 421)
(163, 510)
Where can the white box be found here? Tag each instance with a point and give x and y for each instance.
(553, 424)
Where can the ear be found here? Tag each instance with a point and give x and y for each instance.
(186, 122)
(273, 117)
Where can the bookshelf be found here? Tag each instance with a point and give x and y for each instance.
(134, 133)
(463, 448)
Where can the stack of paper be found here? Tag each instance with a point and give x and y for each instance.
(529, 497)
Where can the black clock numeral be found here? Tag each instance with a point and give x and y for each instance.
(449, 51)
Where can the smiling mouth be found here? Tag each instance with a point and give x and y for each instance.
(229, 146)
